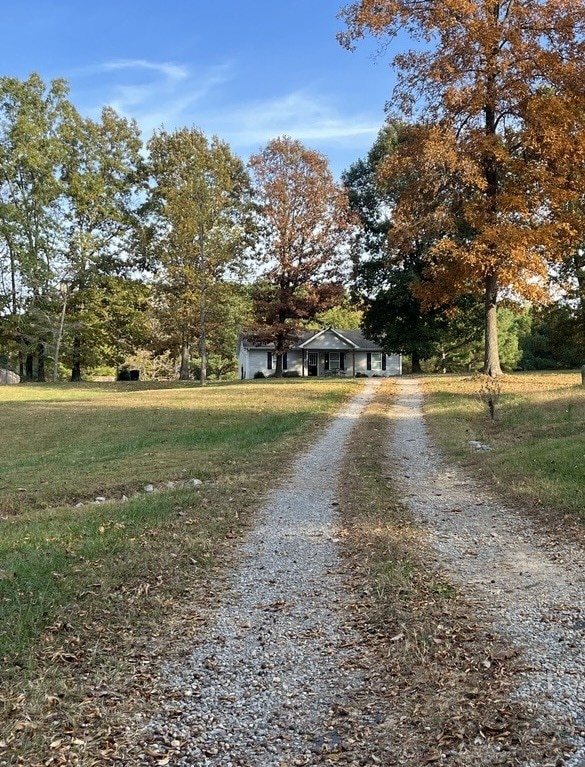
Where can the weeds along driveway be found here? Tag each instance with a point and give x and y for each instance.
(280, 654)
(529, 585)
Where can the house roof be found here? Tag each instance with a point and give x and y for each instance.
(352, 338)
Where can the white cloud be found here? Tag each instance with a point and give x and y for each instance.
(300, 114)
(173, 72)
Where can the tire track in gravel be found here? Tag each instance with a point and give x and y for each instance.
(279, 653)
(530, 587)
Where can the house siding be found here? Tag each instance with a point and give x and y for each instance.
(252, 361)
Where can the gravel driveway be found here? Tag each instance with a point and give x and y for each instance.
(531, 586)
(280, 657)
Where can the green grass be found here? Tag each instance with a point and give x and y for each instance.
(62, 444)
(537, 439)
(66, 444)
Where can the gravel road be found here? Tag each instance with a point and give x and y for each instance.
(529, 584)
(279, 656)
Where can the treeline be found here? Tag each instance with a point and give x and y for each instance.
(110, 248)
(394, 282)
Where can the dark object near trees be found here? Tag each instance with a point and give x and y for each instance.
(259, 374)
(128, 375)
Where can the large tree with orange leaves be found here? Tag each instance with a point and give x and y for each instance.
(493, 171)
(302, 240)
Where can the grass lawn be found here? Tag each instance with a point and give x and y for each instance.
(537, 437)
(84, 589)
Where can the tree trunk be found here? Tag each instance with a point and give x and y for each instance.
(203, 355)
(279, 354)
(29, 366)
(415, 362)
(203, 343)
(185, 355)
(491, 366)
(202, 309)
(41, 362)
(76, 365)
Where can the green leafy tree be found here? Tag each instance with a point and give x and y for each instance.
(100, 177)
(345, 316)
(31, 154)
(108, 322)
(385, 278)
(198, 206)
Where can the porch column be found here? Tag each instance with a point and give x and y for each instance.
(353, 360)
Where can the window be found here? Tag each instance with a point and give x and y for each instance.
(269, 360)
(334, 361)
(285, 361)
(376, 360)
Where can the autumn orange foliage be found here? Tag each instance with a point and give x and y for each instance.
(304, 225)
(493, 170)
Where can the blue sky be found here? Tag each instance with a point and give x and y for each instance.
(246, 70)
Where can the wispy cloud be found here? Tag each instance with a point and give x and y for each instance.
(173, 72)
(301, 114)
(152, 92)
(214, 99)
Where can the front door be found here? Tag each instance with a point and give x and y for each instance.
(313, 364)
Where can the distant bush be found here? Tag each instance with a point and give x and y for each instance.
(359, 374)
(259, 374)
(291, 374)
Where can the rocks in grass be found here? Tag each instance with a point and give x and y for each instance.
(149, 488)
(481, 446)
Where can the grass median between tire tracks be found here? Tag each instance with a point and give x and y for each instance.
(92, 595)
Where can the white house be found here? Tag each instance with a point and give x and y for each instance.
(321, 353)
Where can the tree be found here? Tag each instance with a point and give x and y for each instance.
(394, 315)
(198, 203)
(303, 233)
(344, 316)
(31, 153)
(490, 174)
(100, 178)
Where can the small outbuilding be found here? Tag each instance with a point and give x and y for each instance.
(326, 352)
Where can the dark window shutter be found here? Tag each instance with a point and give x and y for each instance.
(269, 360)
(369, 361)
(284, 361)
(383, 361)
(326, 360)
(342, 360)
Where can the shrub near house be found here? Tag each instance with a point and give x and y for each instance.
(321, 353)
